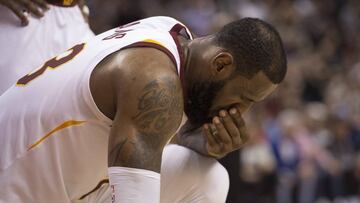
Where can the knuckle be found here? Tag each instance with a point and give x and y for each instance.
(226, 141)
(227, 149)
(236, 133)
(228, 119)
(237, 145)
(219, 126)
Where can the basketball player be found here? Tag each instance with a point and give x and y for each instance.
(57, 37)
(50, 27)
(117, 99)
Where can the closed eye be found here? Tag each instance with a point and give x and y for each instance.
(248, 99)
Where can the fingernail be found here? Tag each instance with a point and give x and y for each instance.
(222, 113)
(216, 120)
(233, 111)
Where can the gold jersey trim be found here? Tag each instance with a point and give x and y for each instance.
(58, 128)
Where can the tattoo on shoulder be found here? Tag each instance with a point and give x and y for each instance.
(160, 108)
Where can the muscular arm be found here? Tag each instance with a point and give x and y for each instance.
(140, 91)
(148, 109)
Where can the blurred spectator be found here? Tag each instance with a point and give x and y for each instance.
(258, 168)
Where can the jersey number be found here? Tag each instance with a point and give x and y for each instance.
(52, 63)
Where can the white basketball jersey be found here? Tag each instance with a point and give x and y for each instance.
(53, 138)
(24, 48)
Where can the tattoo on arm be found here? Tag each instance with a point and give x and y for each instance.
(116, 152)
(160, 108)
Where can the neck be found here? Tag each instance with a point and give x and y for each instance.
(184, 43)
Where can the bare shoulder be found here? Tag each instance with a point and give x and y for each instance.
(153, 90)
(142, 63)
(129, 72)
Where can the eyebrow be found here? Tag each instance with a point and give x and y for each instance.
(251, 99)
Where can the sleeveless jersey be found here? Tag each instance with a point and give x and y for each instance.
(53, 138)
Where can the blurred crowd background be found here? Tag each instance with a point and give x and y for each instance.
(305, 139)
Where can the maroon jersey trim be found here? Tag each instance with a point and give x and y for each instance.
(175, 32)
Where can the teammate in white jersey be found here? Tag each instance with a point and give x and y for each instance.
(108, 107)
(45, 35)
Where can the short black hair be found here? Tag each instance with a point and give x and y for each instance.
(256, 46)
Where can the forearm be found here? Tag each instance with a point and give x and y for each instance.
(137, 166)
(195, 141)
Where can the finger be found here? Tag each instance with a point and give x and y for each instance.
(240, 123)
(223, 136)
(31, 8)
(231, 128)
(19, 13)
(207, 132)
(212, 147)
(214, 133)
(42, 4)
(244, 134)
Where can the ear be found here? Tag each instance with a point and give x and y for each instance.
(222, 65)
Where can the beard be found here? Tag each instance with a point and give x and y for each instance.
(200, 96)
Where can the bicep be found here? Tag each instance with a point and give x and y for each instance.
(147, 115)
(159, 108)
